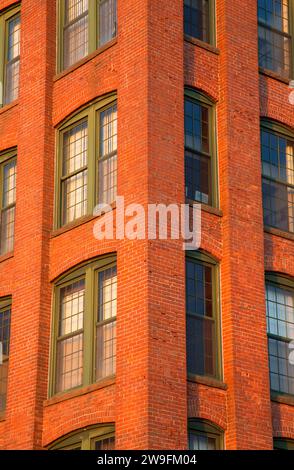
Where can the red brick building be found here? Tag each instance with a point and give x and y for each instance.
(94, 333)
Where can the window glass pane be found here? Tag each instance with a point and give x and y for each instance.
(75, 31)
(4, 350)
(107, 20)
(196, 19)
(197, 175)
(12, 65)
(75, 153)
(108, 155)
(199, 441)
(274, 13)
(70, 349)
(106, 332)
(280, 323)
(105, 444)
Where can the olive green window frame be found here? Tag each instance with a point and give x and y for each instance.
(283, 131)
(212, 25)
(282, 281)
(91, 114)
(290, 35)
(88, 271)
(5, 303)
(208, 260)
(201, 98)
(5, 157)
(207, 428)
(283, 444)
(85, 438)
(7, 15)
(93, 31)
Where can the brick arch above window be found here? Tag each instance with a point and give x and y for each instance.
(97, 437)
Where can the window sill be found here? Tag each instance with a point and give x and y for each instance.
(77, 223)
(86, 59)
(282, 398)
(202, 44)
(208, 381)
(6, 256)
(206, 208)
(279, 233)
(7, 107)
(274, 75)
(79, 391)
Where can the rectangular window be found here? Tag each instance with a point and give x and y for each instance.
(278, 180)
(280, 326)
(200, 149)
(199, 20)
(5, 314)
(7, 202)
(87, 167)
(9, 55)
(85, 326)
(84, 26)
(275, 35)
(202, 336)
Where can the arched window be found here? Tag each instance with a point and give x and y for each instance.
(204, 435)
(90, 438)
(203, 316)
(87, 161)
(280, 327)
(277, 155)
(283, 444)
(200, 149)
(84, 326)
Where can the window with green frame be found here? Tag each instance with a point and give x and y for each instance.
(275, 35)
(84, 326)
(199, 19)
(87, 162)
(280, 328)
(277, 154)
(84, 25)
(5, 315)
(283, 444)
(7, 200)
(204, 435)
(200, 149)
(100, 437)
(203, 316)
(9, 54)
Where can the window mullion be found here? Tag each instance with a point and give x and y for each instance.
(93, 26)
(88, 328)
(91, 160)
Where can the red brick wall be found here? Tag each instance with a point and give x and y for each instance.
(147, 66)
